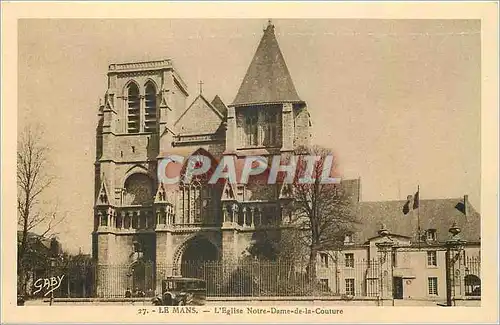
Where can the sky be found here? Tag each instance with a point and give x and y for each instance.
(397, 100)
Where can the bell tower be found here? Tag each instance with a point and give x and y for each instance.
(135, 117)
(267, 113)
(266, 118)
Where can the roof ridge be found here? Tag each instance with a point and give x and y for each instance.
(420, 199)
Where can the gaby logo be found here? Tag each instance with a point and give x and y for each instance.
(303, 169)
(49, 284)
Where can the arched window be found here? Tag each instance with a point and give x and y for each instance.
(133, 111)
(251, 130)
(196, 203)
(138, 190)
(197, 199)
(150, 109)
(272, 127)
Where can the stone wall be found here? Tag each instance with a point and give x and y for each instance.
(302, 129)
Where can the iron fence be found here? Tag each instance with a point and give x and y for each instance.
(239, 279)
(356, 278)
(472, 275)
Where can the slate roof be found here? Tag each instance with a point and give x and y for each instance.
(218, 104)
(197, 100)
(209, 127)
(267, 79)
(437, 214)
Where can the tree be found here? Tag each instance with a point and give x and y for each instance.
(322, 213)
(32, 181)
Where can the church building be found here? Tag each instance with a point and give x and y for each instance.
(145, 116)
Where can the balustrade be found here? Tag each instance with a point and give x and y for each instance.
(243, 214)
(126, 219)
(252, 214)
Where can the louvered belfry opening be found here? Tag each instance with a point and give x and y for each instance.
(150, 110)
(134, 107)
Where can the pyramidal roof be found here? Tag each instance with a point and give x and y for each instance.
(267, 79)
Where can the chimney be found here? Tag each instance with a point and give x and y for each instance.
(466, 205)
(383, 232)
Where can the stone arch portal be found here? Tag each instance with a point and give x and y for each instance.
(194, 256)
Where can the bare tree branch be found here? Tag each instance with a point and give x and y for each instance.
(323, 212)
(33, 180)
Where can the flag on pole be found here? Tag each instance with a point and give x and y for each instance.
(406, 207)
(416, 200)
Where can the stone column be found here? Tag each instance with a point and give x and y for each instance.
(122, 219)
(172, 214)
(99, 219)
(245, 216)
(385, 259)
(108, 218)
(252, 212)
(158, 217)
(288, 129)
(235, 215)
(168, 215)
(142, 109)
(261, 127)
(224, 213)
(231, 130)
(454, 247)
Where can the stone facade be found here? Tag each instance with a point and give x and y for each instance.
(143, 117)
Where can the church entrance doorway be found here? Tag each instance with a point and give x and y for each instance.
(198, 257)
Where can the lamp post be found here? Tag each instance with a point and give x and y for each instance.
(52, 266)
(55, 254)
(385, 247)
(454, 247)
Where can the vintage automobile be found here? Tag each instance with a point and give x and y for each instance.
(178, 291)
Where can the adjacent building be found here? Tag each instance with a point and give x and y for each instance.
(385, 256)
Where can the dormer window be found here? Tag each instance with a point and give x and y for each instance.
(431, 235)
(348, 239)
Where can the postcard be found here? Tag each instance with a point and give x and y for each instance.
(250, 162)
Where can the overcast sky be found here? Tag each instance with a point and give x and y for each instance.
(397, 100)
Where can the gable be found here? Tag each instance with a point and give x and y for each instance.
(200, 118)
